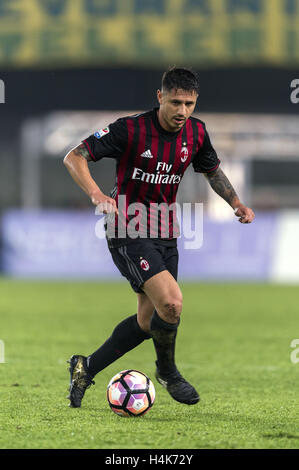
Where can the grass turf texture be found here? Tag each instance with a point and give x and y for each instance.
(233, 345)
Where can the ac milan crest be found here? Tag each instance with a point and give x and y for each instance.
(144, 264)
(184, 154)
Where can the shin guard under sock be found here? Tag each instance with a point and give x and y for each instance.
(126, 336)
(164, 337)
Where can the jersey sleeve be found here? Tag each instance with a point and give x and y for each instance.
(109, 142)
(206, 160)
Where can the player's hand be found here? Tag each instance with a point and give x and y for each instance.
(245, 214)
(105, 204)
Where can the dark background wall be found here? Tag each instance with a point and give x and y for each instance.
(230, 90)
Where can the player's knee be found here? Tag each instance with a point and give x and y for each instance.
(172, 309)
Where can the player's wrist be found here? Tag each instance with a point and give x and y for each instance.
(95, 193)
(237, 208)
(236, 204)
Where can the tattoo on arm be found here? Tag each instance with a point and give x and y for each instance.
(81, 151)
(222, 186)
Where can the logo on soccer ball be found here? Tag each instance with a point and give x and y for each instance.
(144, 264)
(102, 132)
(184, 154)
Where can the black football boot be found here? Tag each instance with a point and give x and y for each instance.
(178, 387)
(80, 380)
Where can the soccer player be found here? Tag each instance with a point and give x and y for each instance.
(152, 151)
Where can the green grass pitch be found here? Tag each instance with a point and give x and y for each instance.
(233, 345)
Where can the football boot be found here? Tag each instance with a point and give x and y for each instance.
(80, 380)
(178, 387)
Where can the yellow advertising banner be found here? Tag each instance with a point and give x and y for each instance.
(148, 32)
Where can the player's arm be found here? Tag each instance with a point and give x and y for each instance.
(222, 186)
(76, 162)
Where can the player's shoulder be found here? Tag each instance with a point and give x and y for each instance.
(196, 120)
(121, 124)
(136, 116)
(120, 127)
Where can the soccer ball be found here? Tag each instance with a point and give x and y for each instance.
(130, 393)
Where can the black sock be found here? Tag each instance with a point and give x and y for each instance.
(164, 336)
(126, 336)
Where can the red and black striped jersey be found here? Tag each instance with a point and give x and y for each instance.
(150, 164)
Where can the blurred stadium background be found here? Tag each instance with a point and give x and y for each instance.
(69, 67)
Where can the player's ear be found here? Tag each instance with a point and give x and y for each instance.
(159, 96)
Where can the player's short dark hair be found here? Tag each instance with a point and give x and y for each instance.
(176, 78)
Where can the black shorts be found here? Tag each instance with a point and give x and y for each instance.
(142, 259)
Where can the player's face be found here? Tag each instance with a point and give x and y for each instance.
(176, 106)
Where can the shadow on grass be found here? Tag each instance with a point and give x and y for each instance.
(281, 435)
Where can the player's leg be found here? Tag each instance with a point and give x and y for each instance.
(145, 311)
(126, 336)
(164, 293)
(135, 329)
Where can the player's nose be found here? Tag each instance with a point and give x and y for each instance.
(182, 111)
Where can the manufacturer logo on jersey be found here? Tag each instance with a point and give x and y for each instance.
(147, 154)
(144, 264)
(102, 132)
(184, 154)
